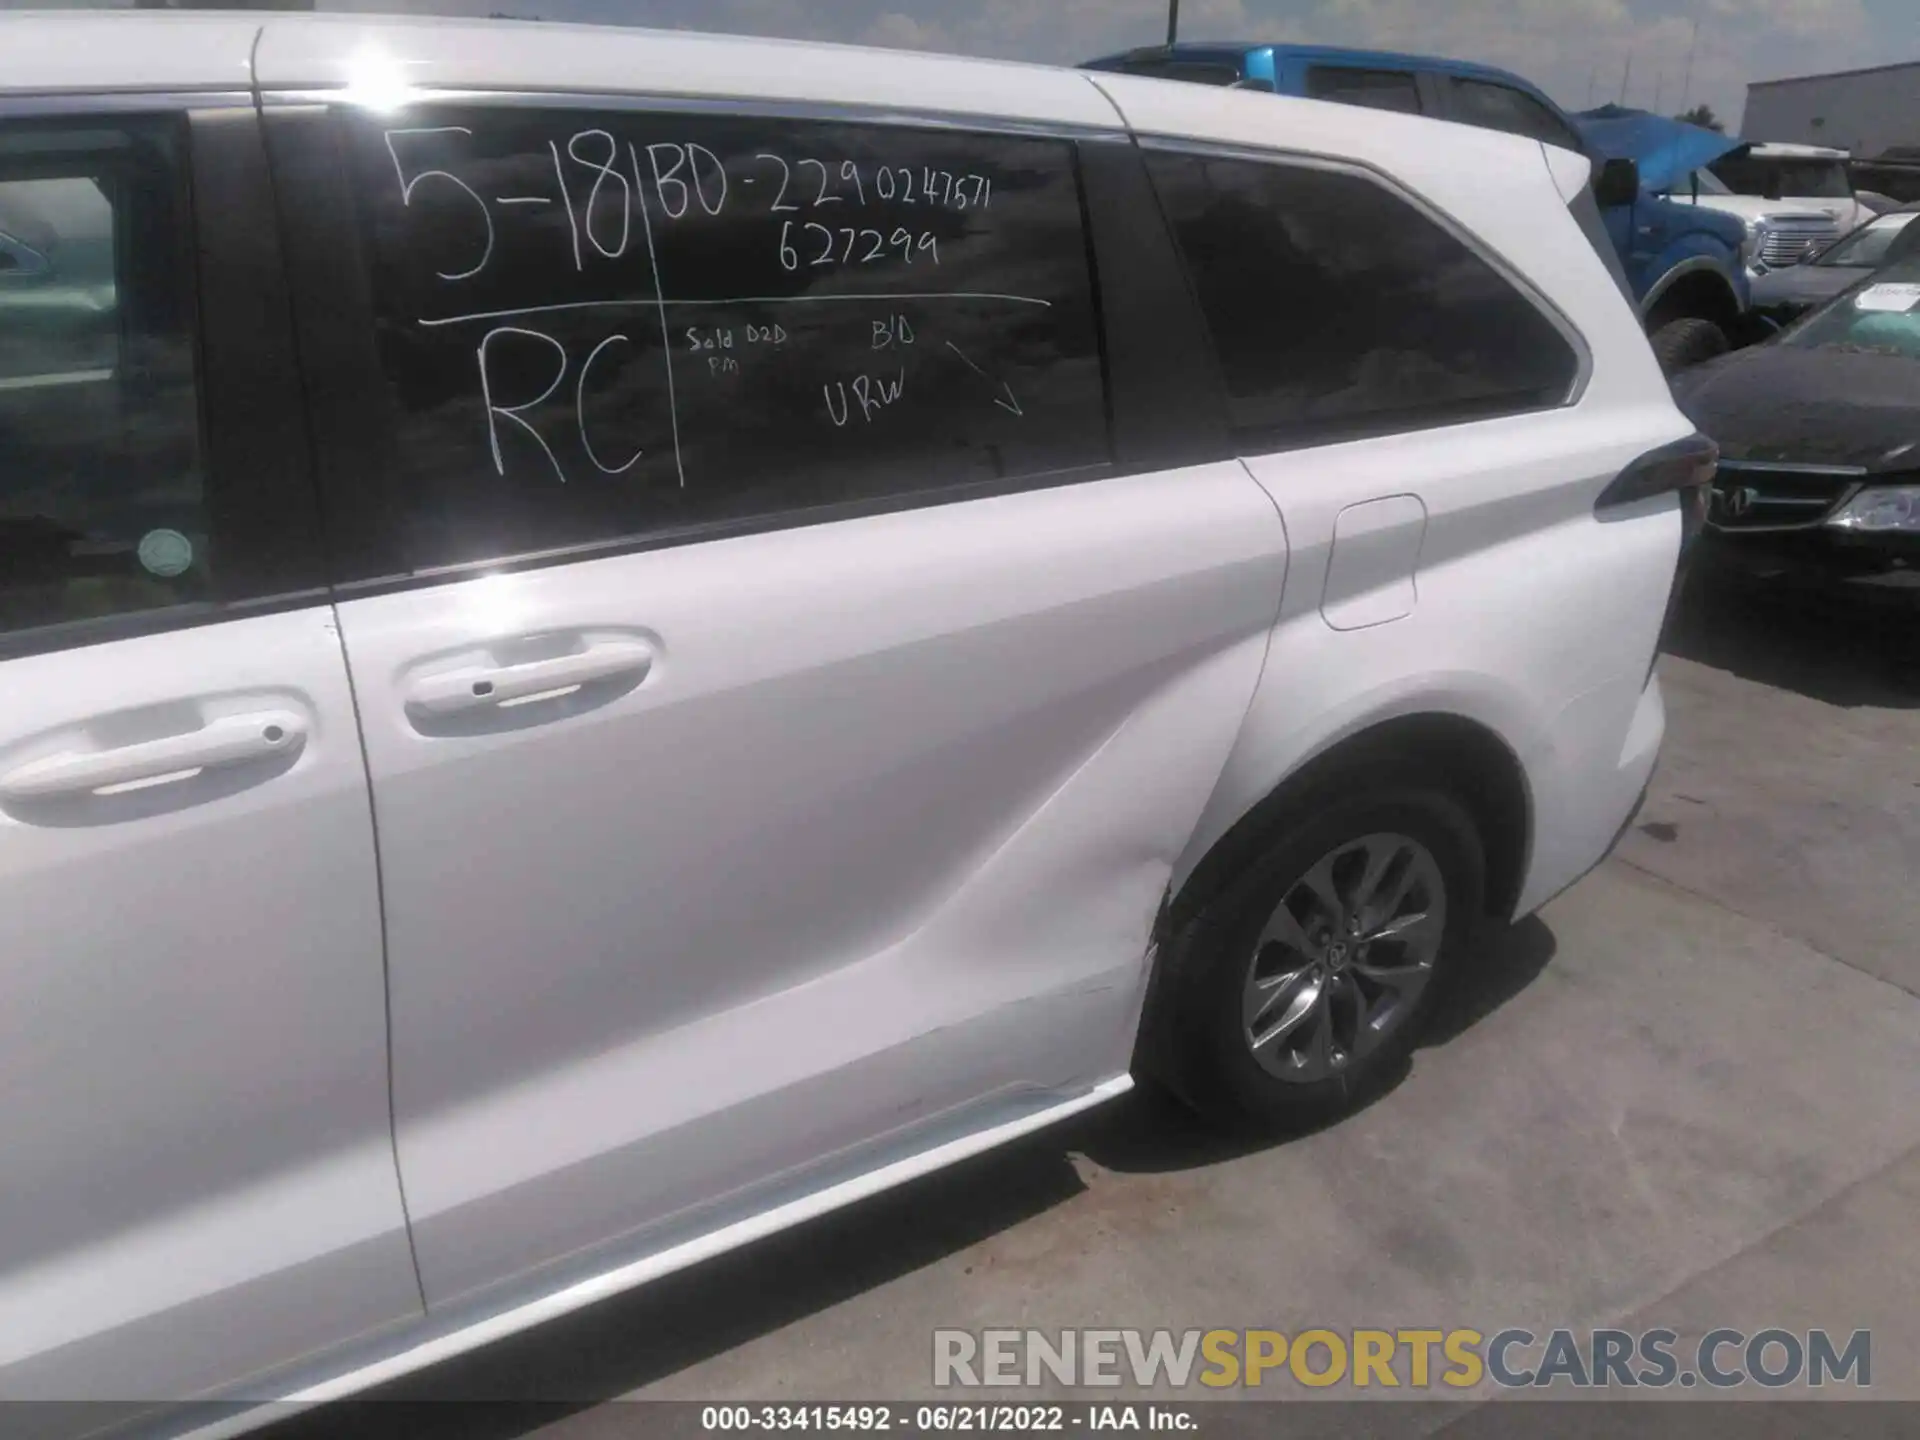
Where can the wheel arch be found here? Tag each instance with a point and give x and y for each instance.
(1696, 287)
(1476, 765)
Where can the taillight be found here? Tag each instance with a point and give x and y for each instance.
(1685, 467)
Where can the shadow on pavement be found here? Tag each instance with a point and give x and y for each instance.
(611, 1349)
(1845, 646)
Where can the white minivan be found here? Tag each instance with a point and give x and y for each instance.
(610, 640)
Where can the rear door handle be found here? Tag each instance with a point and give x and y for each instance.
(229, 740)
(480, 687)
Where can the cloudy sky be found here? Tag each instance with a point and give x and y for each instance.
(1577, 49)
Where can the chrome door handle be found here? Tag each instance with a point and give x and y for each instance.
(479, 687)
(229, 740)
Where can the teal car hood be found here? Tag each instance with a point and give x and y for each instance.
(1667, 151)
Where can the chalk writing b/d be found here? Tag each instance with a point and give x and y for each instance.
(892, 331)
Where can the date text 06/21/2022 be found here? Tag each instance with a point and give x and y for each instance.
(947, 1418)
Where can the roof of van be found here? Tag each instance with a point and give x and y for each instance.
(1329, 54)
(67, 51)
(376, 60)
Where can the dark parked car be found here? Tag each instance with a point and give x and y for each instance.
(1786, 294)
(1819, 435)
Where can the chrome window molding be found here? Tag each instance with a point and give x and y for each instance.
(80, 103)
(1789, 467)
(849, 112)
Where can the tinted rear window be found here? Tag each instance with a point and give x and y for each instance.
(1339, 309)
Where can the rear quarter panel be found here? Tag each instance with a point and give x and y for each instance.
(1532, 618)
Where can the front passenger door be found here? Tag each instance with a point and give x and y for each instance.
(196, 1170)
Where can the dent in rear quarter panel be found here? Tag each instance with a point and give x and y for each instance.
(1525, 604)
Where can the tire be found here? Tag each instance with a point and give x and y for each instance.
(1681, 344)
(1207, 1010)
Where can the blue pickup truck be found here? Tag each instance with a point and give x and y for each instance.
(1685, 265)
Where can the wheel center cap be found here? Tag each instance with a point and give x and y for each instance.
(1337, 955)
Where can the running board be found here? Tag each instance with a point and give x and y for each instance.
(621, 1278)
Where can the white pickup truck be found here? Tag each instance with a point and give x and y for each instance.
(1795, 199)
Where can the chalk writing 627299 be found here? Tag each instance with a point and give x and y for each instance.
(814, 244)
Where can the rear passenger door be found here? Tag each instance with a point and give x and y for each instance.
(196, 1171)
(794, 635)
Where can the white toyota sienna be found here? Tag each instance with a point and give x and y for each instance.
(610, 640)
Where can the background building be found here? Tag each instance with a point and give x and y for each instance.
(1866, 111)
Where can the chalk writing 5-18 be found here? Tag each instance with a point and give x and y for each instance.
(411, 182)
(603, 171)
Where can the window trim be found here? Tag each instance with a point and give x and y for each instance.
(350, 423)
(845, 112)
(1164, 385)
(78, 105)
(1310, 160)
(258, 494)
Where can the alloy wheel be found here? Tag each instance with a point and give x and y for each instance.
(1343, 959)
